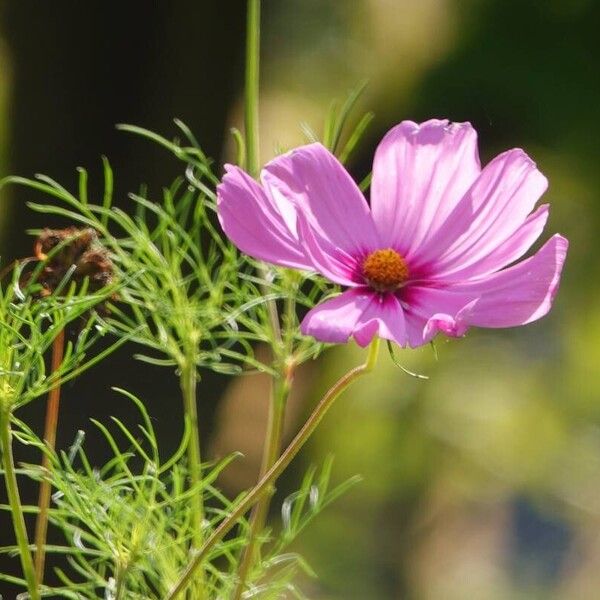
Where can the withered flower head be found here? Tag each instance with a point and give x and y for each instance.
(72, 250)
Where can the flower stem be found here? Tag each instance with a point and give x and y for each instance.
(251, 121)
(51, 425)
(252, 86)
(271, 452)
(277, 469)
(120, 576)
(279, 387)
(16, 509)
(251, 126)
(188, 383)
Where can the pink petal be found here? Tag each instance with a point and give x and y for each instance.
(331, 262)
(420, 173)
(383, 317)
(415, 328)
(520, 294)
(489, 261)
(515, 296)
(455, 326)
(430, 310)
(489, 215)
(334, 320)
(421, 330)
(360, 313)
(315, 181)
(254, 223)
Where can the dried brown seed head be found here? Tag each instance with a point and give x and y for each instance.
(72, 252)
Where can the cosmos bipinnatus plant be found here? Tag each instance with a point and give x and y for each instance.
(196, 280)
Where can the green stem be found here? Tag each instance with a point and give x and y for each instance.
(121, 574)
(16, 509)
(277, 469)
(279, 388)
(188, 383)
(252, 86)
(251, 122)
(271, 452)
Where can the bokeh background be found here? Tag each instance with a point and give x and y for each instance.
(482, 482)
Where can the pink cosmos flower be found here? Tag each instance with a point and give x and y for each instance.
(431, 252)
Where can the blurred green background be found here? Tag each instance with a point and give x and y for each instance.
(482, 482)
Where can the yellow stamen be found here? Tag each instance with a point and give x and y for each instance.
(385, 270)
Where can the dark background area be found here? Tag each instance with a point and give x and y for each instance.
(79, 68)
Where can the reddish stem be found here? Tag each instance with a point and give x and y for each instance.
(41, 525)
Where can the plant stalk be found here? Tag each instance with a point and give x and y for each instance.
(251, 120)
(277, 469)
(50, 428)
(16, 509)
(252, 86)
(272, 449)
(251, 125)
(120, 576)
(188, 389)
(188, 383)
(279, 387)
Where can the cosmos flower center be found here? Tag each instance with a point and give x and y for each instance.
(385, 270)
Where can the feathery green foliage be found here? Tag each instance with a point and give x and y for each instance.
(190, 301)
